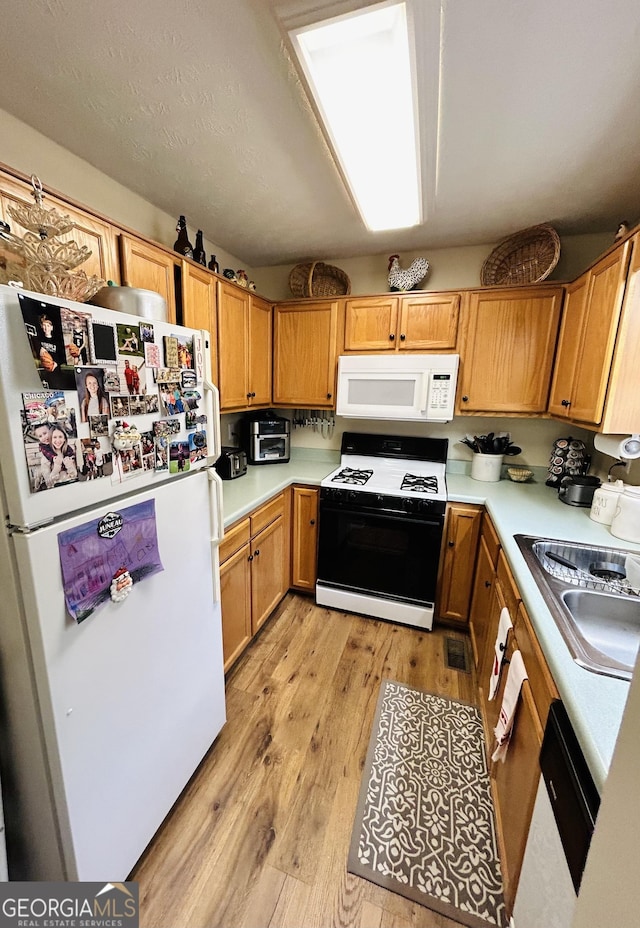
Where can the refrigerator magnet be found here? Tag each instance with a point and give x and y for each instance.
(44, 329)
(121, 585)
(102, 342)
(129, 340)
(171, 351)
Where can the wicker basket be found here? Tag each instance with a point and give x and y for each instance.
(523, 258)
(318, 279)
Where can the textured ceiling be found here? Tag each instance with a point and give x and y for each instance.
(531, 113)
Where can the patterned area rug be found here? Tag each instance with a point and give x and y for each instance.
(424, 825)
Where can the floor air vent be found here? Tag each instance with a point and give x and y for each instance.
(456, 655)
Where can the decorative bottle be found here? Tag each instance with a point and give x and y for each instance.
(198, 251)
(182, 244)
(213, 265)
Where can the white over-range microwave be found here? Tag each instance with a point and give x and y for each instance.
(414, 387)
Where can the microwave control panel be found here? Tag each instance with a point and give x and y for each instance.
(442, 386)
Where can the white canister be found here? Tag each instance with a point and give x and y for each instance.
(487, 467)
(626, 520)
(605, 502)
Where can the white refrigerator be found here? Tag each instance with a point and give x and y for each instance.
(111, 668)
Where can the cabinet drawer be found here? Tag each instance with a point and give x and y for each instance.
(266, 514)
(540, 680)
(509, 588)
(234, 538)
(491, 538)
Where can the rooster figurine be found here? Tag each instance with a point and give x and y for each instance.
(400, 279)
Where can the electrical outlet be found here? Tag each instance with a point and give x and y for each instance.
(231, 434)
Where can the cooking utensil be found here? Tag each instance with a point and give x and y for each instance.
(605, 570)
(561, 560)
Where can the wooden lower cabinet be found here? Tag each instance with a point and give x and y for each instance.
(235, 587)
(460, 546)
(483, 586)
(268, 575)
(514, 785)
(304, 538)
(514, 781)
(254, 573)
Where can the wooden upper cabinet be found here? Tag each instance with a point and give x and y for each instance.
(233, 346)
(569, 343)
(622, 407)
(199, 306)
(424, 322)
(244, 348)
(99, 237)
(429, 322)
(260, 350)
(150, 268)
(508, 353)
(588, 342)
(304, 354)
(371, 323)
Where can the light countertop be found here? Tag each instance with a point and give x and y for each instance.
(595, 703)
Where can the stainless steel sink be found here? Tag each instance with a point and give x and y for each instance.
(594, 607)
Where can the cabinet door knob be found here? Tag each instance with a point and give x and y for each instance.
(312, 522)
(487, 583)
(465, 399)
(392, 338)
(250, 558)
(328, 396)
(452, 544)
(566, 403)
(402, 338)
(248, 396)
(256, 553)
(253, 394)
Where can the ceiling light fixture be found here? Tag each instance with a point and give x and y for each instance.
(359, 68)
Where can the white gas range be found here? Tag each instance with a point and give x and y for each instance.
(381, 524)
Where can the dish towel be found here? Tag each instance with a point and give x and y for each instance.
(515, 678)
(504, 626)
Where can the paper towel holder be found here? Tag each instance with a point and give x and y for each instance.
(626, 447)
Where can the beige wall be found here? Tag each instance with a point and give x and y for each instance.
(534, 436)
(450, 268)
(24, 149)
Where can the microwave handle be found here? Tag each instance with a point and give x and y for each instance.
(425, 377)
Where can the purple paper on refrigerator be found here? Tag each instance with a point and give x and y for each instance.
(103, 558)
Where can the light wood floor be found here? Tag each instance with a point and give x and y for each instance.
(259, 838)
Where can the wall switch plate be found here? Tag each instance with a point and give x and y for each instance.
(231, 434)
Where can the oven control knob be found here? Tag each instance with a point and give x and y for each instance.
(410, 504)
(379, 498)
(352, 494)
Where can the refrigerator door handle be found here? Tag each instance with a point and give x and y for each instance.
(216, 507)
(217, 528)
(212, 405)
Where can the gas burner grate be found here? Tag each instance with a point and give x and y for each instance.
(352, 475)
(419, 483)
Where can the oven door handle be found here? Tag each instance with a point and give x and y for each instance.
(416, 519)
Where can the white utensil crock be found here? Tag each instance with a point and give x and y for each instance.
(626, 521)
(487, 467)
(605, 502)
